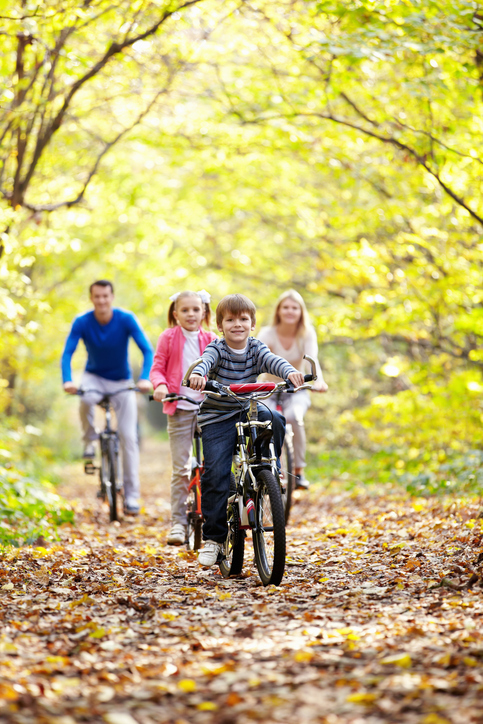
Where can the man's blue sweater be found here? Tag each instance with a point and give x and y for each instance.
(107, 345)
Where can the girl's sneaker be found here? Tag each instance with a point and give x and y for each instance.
(177, 535)
(301, 482)
(208, 555)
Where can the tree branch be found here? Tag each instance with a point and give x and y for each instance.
(108, 145)
(113, 49)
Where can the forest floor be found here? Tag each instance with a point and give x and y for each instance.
(378, 617)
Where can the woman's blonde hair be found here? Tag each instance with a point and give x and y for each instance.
(304, 321)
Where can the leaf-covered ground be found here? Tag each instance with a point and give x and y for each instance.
(112, 625)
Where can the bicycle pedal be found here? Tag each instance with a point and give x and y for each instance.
(90, 468)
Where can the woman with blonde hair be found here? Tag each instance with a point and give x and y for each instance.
(291, 335)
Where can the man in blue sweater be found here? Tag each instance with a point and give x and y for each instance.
(106, 331)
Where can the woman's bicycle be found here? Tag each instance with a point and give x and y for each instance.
(194, 517)
(255, 501)
(287, 463)
(110, 477)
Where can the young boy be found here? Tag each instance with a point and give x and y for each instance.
(236, 358)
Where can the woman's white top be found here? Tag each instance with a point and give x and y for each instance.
(295, 353)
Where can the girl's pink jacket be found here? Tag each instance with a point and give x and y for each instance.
(168, 360)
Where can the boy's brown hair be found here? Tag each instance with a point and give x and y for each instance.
(235, 304)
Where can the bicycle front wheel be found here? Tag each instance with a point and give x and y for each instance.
(288, 473)
(234, 546)
(111, 488)
(269, 534)
(194, 518)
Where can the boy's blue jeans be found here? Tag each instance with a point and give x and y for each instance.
(219, 440)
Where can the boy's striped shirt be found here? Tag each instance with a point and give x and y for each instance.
(222, 364)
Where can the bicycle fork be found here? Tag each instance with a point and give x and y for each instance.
(244, 474)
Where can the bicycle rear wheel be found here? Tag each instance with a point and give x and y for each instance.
(288, 473)
(269, 534)
(110, 483)
(234, 546)
(194, 519)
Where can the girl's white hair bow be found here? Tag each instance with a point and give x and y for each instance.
(203, 295)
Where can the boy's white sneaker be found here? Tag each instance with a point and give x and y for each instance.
(208, 555)
(177, 535)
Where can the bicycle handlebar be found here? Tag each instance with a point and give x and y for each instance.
(81, 392)
(264, 389)
(174, 398)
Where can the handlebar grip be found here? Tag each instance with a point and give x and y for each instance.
(308, 378)
(211, 386)
(151, 398)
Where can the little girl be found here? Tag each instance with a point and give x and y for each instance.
(177, 348)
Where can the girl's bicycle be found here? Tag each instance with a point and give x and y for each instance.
(110, 477)
(255, 502)
(194, 517)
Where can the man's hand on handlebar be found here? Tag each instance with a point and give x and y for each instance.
(320, 386)
(144, 386)
(160, 393)
(296, 378)
(197, 382)
(70, 388)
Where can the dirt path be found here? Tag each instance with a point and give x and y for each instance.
(111, 625)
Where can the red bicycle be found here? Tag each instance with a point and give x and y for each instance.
(194, 517)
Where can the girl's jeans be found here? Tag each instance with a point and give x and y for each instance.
(219, 440)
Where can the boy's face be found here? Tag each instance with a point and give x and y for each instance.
(236, 329)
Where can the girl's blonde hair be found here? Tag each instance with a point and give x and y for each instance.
(204, 305)
(304, 321)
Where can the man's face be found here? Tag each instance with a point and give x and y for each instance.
(102, 298)
(236, 329)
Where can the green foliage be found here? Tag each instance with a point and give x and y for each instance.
(329, 146)
(29, 509)
(29, 506)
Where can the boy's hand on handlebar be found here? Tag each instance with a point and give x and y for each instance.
(296, 378)
(197, 382)
(70, 388)
(160, 393)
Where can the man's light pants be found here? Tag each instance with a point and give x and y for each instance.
(124, 405)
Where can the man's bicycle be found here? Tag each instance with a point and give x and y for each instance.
(194, 517)
(255, 501)
(110, 476)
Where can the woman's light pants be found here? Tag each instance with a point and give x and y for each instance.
(294, 407)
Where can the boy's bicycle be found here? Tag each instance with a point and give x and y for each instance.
(194, 517)
(255, 501)
(111, 486)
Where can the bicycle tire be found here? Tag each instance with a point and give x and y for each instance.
(288, 459)
(269, 535)
(234, 546)
(194, 520)
(111, 489)
(103, 472)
